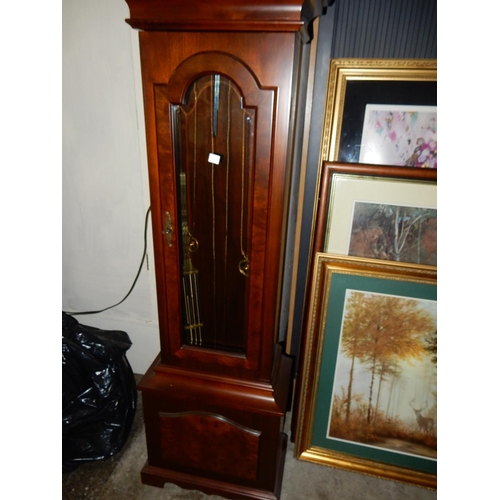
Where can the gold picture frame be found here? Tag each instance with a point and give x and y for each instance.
(353, 83)
(408, 456)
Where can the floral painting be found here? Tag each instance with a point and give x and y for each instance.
(399, 135)
(385, 385)
(394, 232)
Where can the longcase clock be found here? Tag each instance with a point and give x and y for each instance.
(219, 95)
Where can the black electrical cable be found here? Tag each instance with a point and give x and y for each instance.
(135, 280)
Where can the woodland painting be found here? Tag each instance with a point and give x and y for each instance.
(393, 232)
(385, 384)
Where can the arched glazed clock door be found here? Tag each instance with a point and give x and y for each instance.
(216, 157)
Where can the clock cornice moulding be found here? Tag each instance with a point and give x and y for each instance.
(225, 15)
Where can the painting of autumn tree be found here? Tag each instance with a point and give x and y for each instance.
(385, 386)
(393, 232)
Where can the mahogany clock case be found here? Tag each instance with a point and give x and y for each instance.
(219, 86)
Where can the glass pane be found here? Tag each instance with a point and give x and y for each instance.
(214, 154)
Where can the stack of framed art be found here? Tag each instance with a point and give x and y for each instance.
(367, 385)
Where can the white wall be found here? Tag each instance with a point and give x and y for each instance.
(104, 176)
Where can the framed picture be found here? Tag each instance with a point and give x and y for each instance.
(368, 385)
(378, 212)
(400, 87)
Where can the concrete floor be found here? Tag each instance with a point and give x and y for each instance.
(118, 478)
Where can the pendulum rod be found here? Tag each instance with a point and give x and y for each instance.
(228, 156)
(193, 243)
(215, 98)
(216, 105)
(195, 158)
(244, 265)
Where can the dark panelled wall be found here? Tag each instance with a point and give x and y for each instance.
(384, 29)
(353, 29)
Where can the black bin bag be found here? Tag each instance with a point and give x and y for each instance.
(99, 395)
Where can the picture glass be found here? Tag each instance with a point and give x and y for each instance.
(394, 232)
(378, 385)
(380, 218)
(399, 135)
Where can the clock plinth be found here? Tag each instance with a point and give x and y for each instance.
(219, 435)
